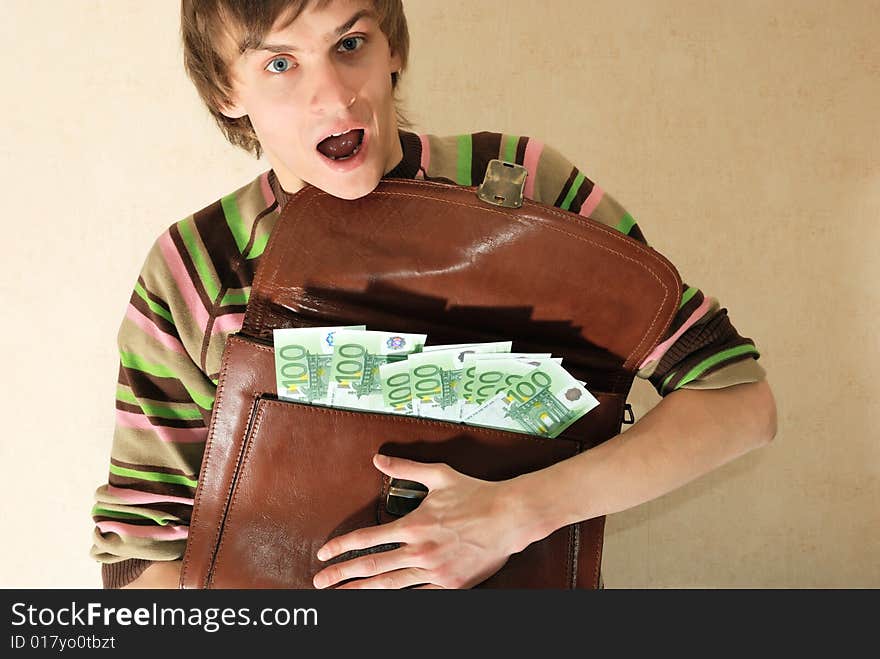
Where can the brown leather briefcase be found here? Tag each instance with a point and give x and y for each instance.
(279, 478)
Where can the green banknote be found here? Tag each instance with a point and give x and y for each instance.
(355, 382)
(545, 401)
(435, 377)
(468, 381)
(302, 362)
(396, 390)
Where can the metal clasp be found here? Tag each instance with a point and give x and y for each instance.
(632, 416)
(404, 496)
(503, 184)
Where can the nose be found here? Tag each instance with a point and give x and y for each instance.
(331, 92)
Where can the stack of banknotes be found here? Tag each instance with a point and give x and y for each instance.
(480, 384)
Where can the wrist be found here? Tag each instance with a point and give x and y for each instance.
(531, 516)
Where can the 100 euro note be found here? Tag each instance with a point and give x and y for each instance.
(355, 381)
(435, 377)
(470, 402)
(396, 389)
(545, 401)
(302, 362)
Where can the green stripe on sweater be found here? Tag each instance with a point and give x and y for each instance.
(709, 362)
(157, 309)
(206, 276)
(238, 296)
(159, 518)
(572, 191)
(154, 476)
(463, 161)
(508, 151)
(131, 360)
(161, 411)
(626, 223)
(233, 219)
(688, 294)
(259, 246)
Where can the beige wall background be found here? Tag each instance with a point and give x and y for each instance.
(742, 136)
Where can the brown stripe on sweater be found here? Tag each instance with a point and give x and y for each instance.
(153, 487)
(220, 247)
(154, 387)
(135, 521)
(565, 188)
(581, 195)
(191, 271)
(715, 335)
(683, 368)
(159, 321)
(411, 147)
(686, 311)
(521, 149)
(636, 232)
(250, 243)
(153, 297)
(160, 420)
(182, 511)
(228, 309)
(485, 146)
(161, 470)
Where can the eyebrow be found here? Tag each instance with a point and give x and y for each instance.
(250, 47)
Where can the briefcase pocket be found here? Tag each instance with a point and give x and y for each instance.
(305, 475)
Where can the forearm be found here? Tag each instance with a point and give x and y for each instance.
(161, 574)
(687, 434)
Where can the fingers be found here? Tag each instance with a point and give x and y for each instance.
(363, 566)
(432, 475)
(364, 538)
(395, 579)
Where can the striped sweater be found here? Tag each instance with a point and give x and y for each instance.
(191, 295)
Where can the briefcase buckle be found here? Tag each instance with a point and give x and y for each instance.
(404, 496)
(503, 184)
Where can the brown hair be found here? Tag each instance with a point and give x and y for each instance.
(208, 26)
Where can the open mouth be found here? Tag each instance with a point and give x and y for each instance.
(342, 146)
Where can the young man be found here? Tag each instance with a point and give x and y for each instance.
(311, 85)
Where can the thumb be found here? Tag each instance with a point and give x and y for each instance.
(432, 475)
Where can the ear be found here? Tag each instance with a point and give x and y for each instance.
(394, 63)
(232, 111)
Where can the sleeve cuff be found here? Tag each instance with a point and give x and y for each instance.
(117, 575)
(741, 372)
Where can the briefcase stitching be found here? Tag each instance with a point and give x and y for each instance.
(241, 465)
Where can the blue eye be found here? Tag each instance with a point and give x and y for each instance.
(274, 69)
(349, 40)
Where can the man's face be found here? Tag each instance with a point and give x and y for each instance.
(327, 75)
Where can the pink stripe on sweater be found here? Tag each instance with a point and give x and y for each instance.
(184, 283)
(150, 329)
(230, 322)
(592, 201)
(426, 155)
(530, 162)
(166, 434)
(136, 496)
(660, 350)
(266, 189)
(154, 532)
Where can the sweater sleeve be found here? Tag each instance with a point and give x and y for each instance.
(163, 405)
(702, 349)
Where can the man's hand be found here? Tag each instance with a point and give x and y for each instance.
(463, 531)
